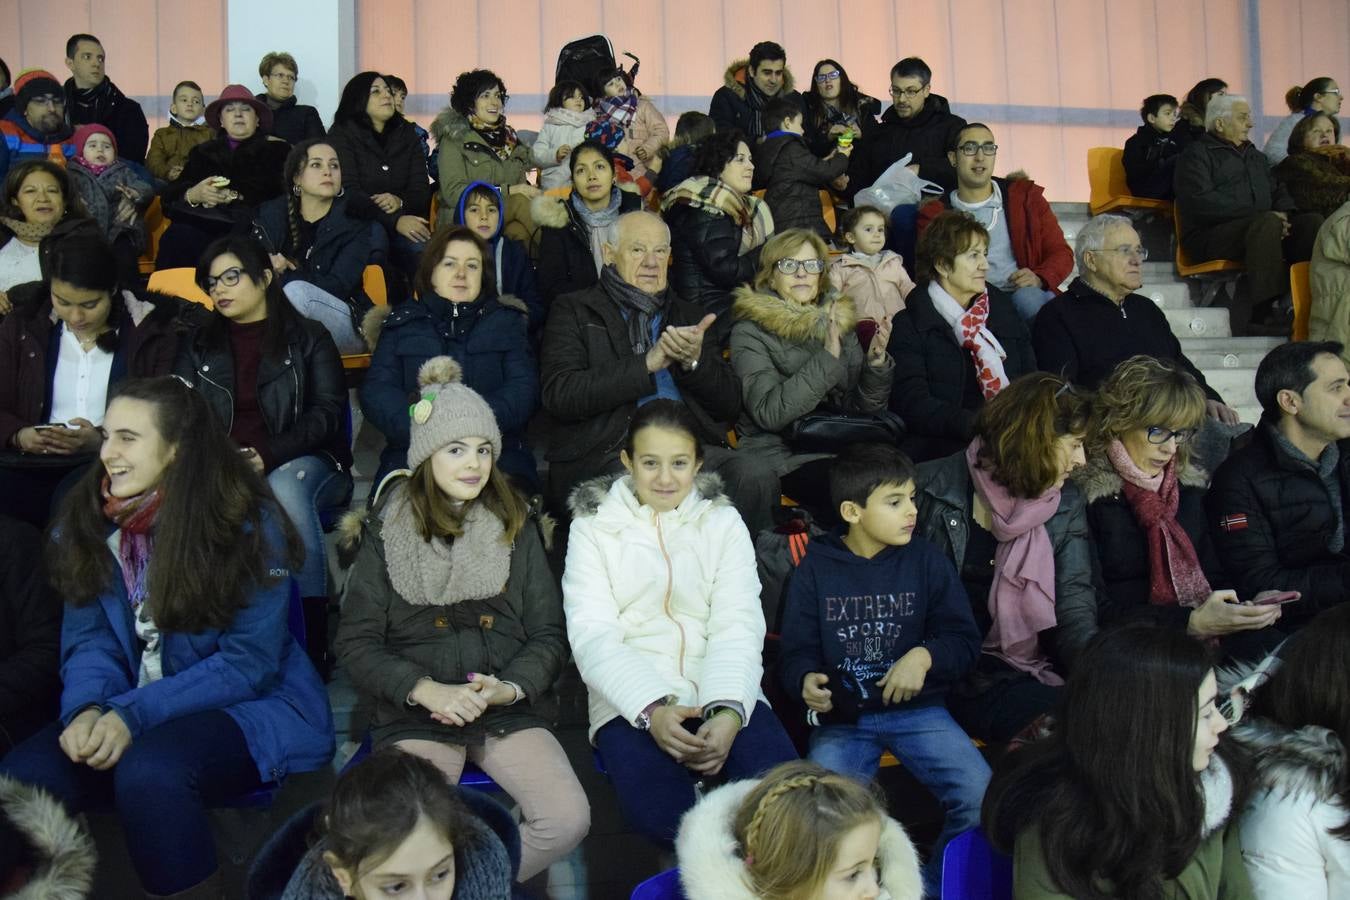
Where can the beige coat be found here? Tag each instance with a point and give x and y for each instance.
(1330, 276)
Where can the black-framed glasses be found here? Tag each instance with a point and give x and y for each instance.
(49, 100)
(789, 266)
(1159, 435)
(1140, 252)
(229, 278)
(908, 92)
(970, 148)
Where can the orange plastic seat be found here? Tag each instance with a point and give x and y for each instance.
(179, 283)
(155, 226)
(1107, 186)
(827, 210)
(1301, 289)
(564, 191)
(1188, 269)
(372, 282)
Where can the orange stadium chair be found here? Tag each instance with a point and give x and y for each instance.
(1301, 290)
(179, 283)
(155, 226)
(1188, 269)
(1106, 183)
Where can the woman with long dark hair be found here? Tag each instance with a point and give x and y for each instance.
(318, 249)
(1133, 795)
(835, 107)
(183, 687)
(1296, 830)
(381, 157)
(274, 380)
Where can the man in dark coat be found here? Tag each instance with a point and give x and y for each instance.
(1231, 207)
(30, 636)
(919, 122)
(91, 97)
(1277, 506)
(598, 364)
(749, 85)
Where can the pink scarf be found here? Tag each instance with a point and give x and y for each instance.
(1174, 573)
(136, 517)
(1022, 598)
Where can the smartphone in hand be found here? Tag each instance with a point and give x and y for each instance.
(1274, 598)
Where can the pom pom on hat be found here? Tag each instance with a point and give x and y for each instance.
(448, 410)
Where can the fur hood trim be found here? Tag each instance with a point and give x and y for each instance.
(1307, 760)
(66, 854)
(449, 125)
(736, 74)
(793, 321)
(550, 212)
(372, 323)
(1099, 478)
(586, 497)
(711, 864)
(1216, 788)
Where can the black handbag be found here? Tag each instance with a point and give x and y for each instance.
(826, 431)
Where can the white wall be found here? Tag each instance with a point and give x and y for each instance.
(320, 34)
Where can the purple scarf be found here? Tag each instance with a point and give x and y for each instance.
(1022, 598)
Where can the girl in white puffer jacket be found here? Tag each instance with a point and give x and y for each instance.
(663, 614)
(565, 120)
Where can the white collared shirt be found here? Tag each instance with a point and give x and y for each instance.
(80, 386)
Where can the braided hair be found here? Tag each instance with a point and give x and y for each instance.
(295, 164)
(790, 826)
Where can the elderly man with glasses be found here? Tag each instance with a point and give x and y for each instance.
(1028, 256)
(36, 127)
(1100, 321)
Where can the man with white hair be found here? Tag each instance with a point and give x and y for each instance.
(1100, 321)
(630, 339)
(1231, 207)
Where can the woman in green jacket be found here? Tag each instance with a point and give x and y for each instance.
(453, 622)
(1134, 795)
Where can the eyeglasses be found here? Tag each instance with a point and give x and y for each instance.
(970, 148)
(1336, 91)
(229, 278)
(1160, 435)
(1140, 252)
(49, 100)
(827, 77)
(283, 76)
(789, 266)
(909, 91)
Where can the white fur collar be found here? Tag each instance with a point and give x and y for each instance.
(1216, 784)
(711, 866)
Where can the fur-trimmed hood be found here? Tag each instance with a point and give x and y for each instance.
(65, 854)
(1100, 479)
(1308, 760)
(593, 497)
(449, 125)
(377, 317)
(711, 866)
(793, 321)
(734, 78)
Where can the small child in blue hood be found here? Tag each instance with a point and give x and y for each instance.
(876, 628)
(480, 208)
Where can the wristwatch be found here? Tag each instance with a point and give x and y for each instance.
(644, 718)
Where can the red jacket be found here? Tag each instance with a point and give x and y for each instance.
(1037, 240)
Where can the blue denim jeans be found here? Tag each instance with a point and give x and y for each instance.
(331, 312)
(161, 789)
(1029, 300)
(304, 487)
(655, 791)
(934, 749)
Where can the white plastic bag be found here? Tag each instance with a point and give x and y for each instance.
(897, 186)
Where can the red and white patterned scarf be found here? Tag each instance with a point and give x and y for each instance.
(968, 325)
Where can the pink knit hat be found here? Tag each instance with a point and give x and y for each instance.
(84, 132)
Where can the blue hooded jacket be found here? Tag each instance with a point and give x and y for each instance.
(861, 615)
(514, 270)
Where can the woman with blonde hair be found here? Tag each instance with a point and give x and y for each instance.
(794, 349)
(801, 833)
(1146, 510)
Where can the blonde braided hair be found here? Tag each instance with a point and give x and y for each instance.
(790, 825)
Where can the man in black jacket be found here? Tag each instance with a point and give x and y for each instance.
(91, 97)
(919, 122)
(30, 636)
(598, 364)
(1231, 207)
(748, 85)
(1277, 507)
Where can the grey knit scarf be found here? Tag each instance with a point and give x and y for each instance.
(638, 306)
(474, 566)
(597, 223)
(1327, 467)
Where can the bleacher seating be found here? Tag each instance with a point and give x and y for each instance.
(1108, 188)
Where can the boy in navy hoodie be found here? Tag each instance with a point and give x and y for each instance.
(876, 628)
(480, 208)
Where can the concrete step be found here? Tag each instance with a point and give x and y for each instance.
(1236, 386)
(1168, 294)
(1198, 323)
(1227, 353)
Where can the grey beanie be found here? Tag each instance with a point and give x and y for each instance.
(448, 410)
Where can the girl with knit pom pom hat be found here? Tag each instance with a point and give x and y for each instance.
(453, 623)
